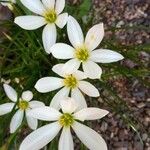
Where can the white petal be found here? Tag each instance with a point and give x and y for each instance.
(71, 66)
(74, 32)
(62, 20)
(88, 89)
(49, 4)
(58, 69)
(32, 122)
(48, 84)
(66, 141)
(60, 4)
(49, 37)
(8, 3)
(90, 114)
(55, 103)
(62, 51)
(45, 113)
(94, 36)
(4, 4)
(16, 121)
(89, 137)
(6, 108)
(36, 104)
(79, 98)
(68, 105)
(105, 56)
(80, 75)
(27, 95)
(92, 70)
(30, 22)
(35, 6)
(10, 92)
(40, 137)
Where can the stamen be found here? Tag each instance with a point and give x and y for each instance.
(66, 120)
(23, 105)
(50, 16)
(70, 81)
(82, 54)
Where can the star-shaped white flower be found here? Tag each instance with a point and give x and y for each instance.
(83, 51)
(71, 83)
(48, 13)
(24, 105)
(67, 119)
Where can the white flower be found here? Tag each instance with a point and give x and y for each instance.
(83, 51)
(66, 120)
(25, 105)
(70, 82)
(48, 13)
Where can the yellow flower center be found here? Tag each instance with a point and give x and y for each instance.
(50, 16)
(23, 105)
(66, 120)
(70, 81)
(82, 54)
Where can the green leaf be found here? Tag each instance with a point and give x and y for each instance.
(84, 8)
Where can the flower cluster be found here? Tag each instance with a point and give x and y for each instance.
(68, 108)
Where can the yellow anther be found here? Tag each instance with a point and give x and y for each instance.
(50, 16)
(82, 54)
(66, 120)
(70, 81)
(23, 104)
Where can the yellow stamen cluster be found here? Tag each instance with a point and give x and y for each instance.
(23, 105)
(82, 54)
(70, 81)
(66, 120)
(50, 16)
